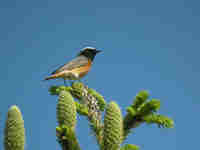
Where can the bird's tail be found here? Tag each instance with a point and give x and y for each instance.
(48, 78)
(51, 77)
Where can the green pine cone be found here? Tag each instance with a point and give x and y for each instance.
(14, 133)
(113, 127)
(66, 110)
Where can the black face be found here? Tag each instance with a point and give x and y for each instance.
(89, 52)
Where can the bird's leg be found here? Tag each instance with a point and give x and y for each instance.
(85, 81)
(65, 82)
(71, 82)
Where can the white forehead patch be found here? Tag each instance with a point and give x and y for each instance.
(89, 48)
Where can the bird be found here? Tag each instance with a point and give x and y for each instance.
(78, 67)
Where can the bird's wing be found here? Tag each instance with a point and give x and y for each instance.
(75, 63)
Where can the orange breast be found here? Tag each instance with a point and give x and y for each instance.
(82, 71)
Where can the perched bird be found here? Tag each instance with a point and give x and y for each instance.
(76, 68)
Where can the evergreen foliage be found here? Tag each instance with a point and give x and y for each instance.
(77, 99)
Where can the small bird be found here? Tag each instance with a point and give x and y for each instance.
(76, 68)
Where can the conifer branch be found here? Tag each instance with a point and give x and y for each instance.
(109, 134)
(67, 138)
(90, 104)
(94, 103)
(87, 102)
(142, 111)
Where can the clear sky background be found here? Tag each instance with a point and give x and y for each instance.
(147, 44)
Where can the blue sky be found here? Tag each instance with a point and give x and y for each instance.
(152, 45)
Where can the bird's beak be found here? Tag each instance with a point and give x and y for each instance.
(98, 51)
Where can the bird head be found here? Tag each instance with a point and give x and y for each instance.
(89, 52)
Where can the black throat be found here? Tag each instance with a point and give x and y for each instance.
(89, 55)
